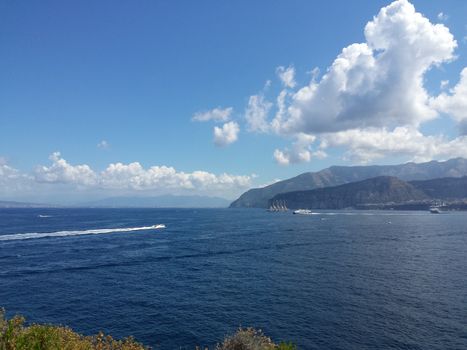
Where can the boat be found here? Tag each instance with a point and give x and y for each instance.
(438, 209)
(303, 212)
(277, 206)
(158, 226)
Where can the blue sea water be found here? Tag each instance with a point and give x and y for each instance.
(335, 280)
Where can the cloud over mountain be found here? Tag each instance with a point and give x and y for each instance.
(372, 99)
(378, 83)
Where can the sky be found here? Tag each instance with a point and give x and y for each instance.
(106, 98)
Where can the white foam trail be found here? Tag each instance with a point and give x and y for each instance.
(33, 235)
(44, 216)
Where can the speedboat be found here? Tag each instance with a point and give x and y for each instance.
(159, 226)
(303, 212)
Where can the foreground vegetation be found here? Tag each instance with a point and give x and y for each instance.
(16, 335)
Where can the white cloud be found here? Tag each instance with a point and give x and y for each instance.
(227, 134)
(8, 174)
(454, 103)
(442, 16)
(12, 180)
(217, 114)
(256, 113)
(372, 98)
(281, 104)
(378, 83)
(367, 145)
(281, 157)
(287, 76)
(103, 145)
(134, 177)
(62, 172)
(61, 180)
(299, 153)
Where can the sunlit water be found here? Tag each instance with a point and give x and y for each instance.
(335, 280)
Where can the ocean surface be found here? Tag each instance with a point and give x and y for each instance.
(334, 280)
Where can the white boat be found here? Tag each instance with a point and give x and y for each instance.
(303, 212)
(437, 210)
(159, 226)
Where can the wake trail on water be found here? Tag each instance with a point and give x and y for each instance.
(34, 235)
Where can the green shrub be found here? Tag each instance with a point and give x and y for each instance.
(14, 335)
(252, 339)
(286, 346)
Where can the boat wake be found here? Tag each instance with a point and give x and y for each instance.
(34, 235)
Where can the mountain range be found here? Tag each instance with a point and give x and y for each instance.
(13, 204)
(339, 175)
(382, 192)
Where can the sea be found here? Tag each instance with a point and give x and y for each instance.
(331, 280)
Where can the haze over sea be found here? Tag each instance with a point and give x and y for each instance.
(334, 280)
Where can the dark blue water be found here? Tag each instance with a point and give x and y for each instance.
(352, 280)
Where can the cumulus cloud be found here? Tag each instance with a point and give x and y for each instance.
(287, 76)
(454, 103)
(299, 153)
(8, 175)
(62, 172)
(7, 172)
(372, 98)
(217, 114)
(256, 114)
(378, 83)
(364, 146)
(227, 134)
(12, 180)
(133, 177)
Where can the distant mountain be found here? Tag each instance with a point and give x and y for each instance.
(12, 204)
(166, 201)
(378, 192)
(382, 189)
(338, 175)
(444, 188)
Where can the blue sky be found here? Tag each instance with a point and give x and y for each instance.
(133, 74)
